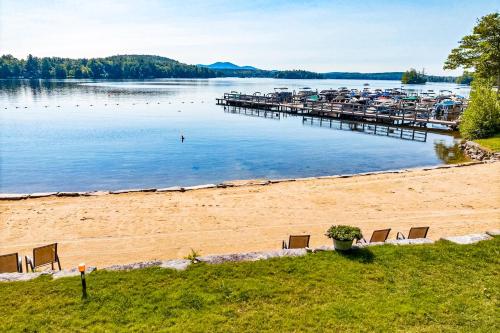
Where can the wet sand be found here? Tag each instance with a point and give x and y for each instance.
(126, 228)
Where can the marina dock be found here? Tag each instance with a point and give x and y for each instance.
(394, 115)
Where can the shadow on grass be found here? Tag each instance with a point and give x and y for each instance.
(363, 255)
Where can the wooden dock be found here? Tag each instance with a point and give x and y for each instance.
(399, 116)
(372, 128)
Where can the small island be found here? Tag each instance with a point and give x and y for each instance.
(412, 76)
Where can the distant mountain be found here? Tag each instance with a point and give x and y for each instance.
(228, 65)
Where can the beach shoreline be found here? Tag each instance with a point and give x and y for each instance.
(224, 184)
(243, 216)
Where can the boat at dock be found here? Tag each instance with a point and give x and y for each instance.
(390, 106)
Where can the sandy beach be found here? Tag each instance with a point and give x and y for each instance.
(126, 228)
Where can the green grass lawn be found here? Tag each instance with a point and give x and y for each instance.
(425, 288)
(492, 143)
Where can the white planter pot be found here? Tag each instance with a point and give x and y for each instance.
(342, 245)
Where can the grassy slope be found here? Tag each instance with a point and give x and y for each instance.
(432, 288)
(492, 143)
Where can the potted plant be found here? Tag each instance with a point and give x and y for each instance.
(343, 235)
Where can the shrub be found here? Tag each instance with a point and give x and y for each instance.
(192, 256)
(481, 119)
(344, 232)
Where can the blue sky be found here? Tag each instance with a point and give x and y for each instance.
(364, 36)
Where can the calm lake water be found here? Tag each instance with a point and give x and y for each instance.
(107, 135)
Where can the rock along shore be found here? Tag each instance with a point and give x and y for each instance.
(478, 153)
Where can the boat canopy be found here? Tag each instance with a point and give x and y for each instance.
(447, 102)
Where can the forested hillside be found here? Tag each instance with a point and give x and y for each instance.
(115, 67)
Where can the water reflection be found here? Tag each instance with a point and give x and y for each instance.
(35, 90)
(390, 131)
(256, 113)
(449, 154)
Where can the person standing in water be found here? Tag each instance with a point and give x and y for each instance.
(182, 138)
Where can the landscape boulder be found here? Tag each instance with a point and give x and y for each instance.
(69, 194)
(137, 265)
(415, 241)
(13, 277)
(13, 196)
(361, 245)
(177, 264)
(95, 193)
(132, 190)
(468, 239)
(170, 189)
(42, 194)
(199, 187)
(251, 256)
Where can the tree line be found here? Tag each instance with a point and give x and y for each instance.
(126, 67)
(412, 76)
(274, 74)
(148, 66)
(115, 67)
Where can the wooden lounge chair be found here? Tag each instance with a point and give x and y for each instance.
(415, 232)
(10, 263)
(42, 256)
(297, 242)
(377, 236)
